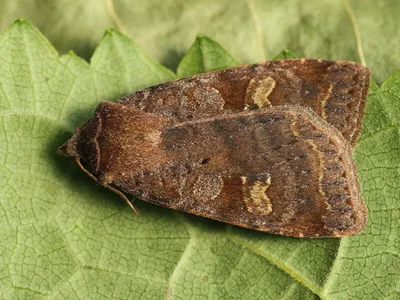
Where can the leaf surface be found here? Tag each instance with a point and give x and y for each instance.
(64, 237)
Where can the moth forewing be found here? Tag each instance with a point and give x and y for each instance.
(334, 90)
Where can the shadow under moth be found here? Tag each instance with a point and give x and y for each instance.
(265, 146)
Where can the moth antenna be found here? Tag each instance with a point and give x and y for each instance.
(122, 195)
(78, 161)
(118, 192)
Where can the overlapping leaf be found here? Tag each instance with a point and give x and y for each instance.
(252, 30)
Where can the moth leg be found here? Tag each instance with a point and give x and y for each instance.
(118, 192)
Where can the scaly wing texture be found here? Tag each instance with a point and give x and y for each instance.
(280, 170)
(335, 90)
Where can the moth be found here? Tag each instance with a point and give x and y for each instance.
(265, 146)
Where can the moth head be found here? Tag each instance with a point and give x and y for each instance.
(83, 145)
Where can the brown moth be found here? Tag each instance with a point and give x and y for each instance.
(239, 146)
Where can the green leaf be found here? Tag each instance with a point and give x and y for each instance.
(254, 30)
(65, 237)
(205, 55)
(62, 234)
(285, 54)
